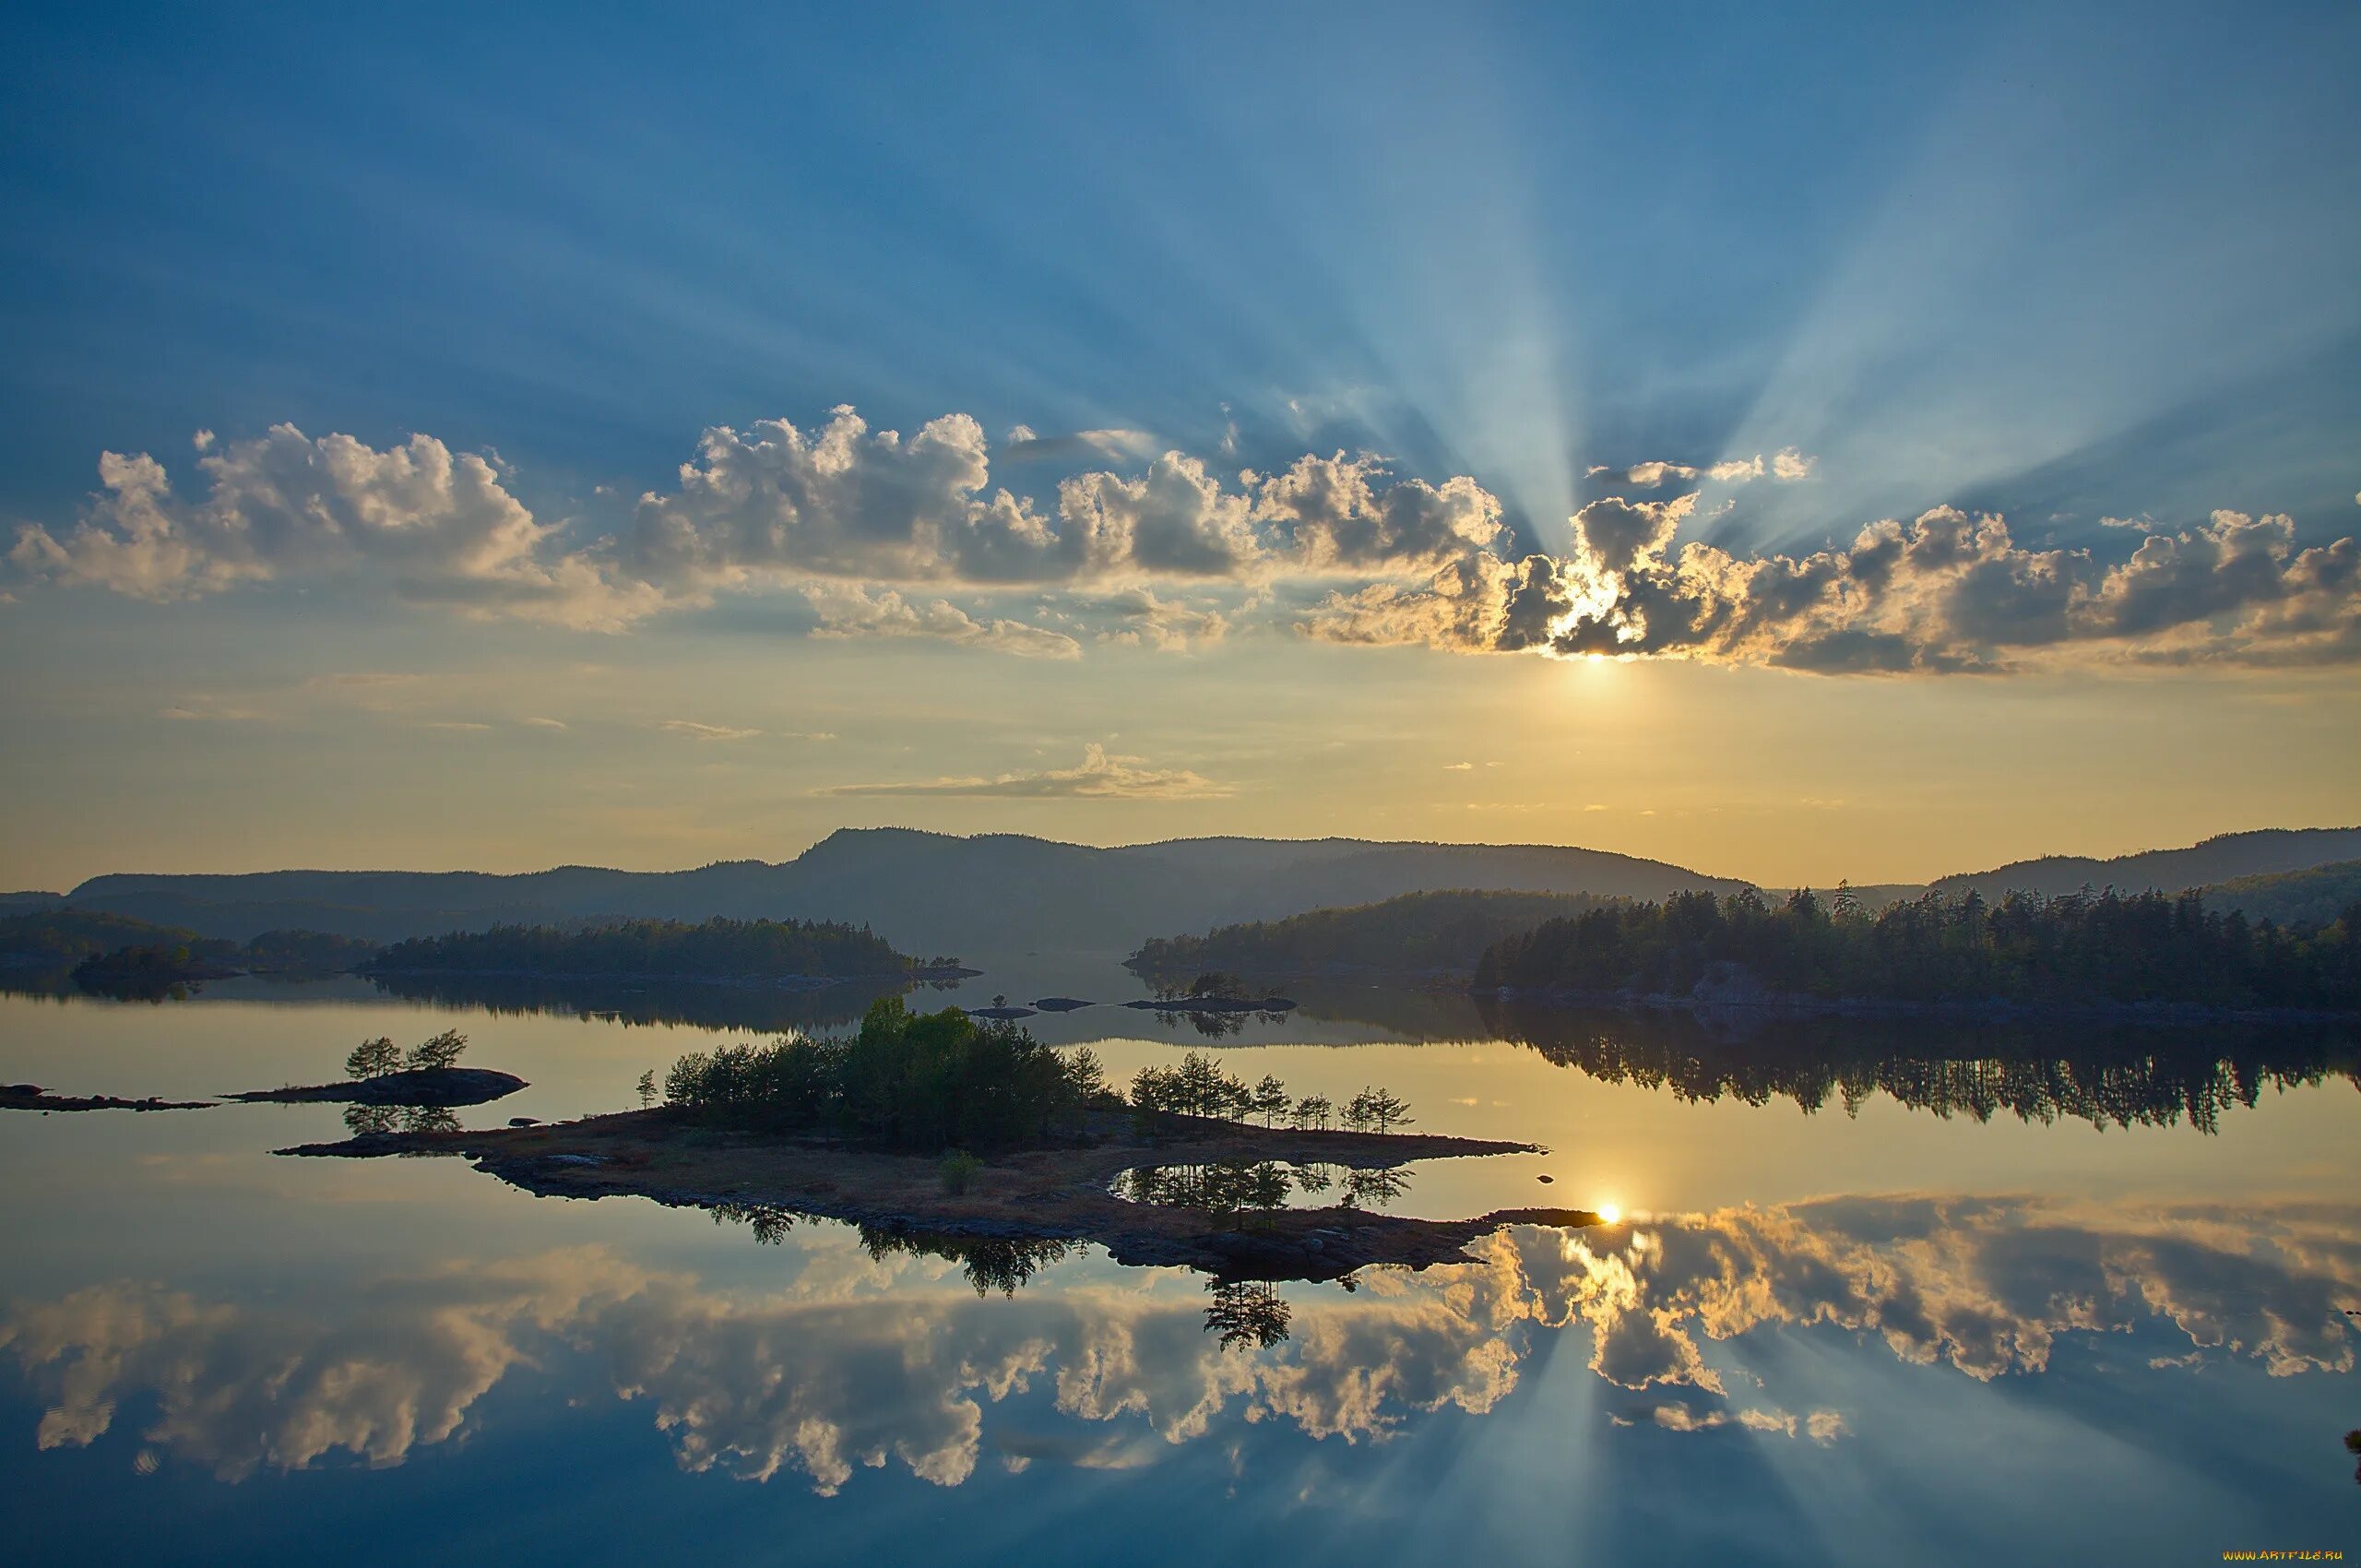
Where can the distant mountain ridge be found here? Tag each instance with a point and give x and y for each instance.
(2224, 858)
(932, 892)
(928, 892)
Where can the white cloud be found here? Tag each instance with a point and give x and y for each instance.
(846, 610)
(696, 731)
(1786, 464)
(858, 521)
(1100, 776)
(415, 520)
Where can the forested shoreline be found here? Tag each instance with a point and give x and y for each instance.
(712, 949)
(2081, 950)
(1442, 932)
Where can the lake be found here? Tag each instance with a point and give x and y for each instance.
(1879, 1292)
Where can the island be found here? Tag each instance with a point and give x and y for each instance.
(761, 953)
(941, 1127)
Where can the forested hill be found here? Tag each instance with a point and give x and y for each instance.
(714, 949)
(925, 891)
(1416, 933)
(2313, 897)
(2222, 859)
(2076, 950)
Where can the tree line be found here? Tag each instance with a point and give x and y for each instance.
(1445, 931)
(2081, 949)
(1199, 1086)
(714, 949)
(947, 1080)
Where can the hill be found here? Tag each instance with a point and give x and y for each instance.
(2314, 896)
(924, 892)
(1417, 932)
(2225, 858)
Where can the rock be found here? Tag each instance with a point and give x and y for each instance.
(420, 1086)
(1061, 1003)
(999, 1012)
(535, 1122)
(27, 1090)
(1545, 1177)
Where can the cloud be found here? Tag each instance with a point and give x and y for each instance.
(847, 610)
(860, 520)
(696, 731)
(544, 724)
(1114, 445)
(1137, 618)
(1100, 778)
(203, 709)
(1946, 593)
(1787, 464)
(416, 519)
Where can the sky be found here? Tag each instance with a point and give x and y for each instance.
(1793, 444)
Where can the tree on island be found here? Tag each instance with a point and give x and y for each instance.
(1271, 1100)
(376, 1058)
(646, 1086)
(443, 1051)
(1314, 1110)
(373, 1058)
(1376, 1110)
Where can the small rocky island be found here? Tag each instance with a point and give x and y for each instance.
(876, 1129)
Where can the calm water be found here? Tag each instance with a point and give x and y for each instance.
(1882, 1330)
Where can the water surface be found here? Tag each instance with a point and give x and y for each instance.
(1878, 1294)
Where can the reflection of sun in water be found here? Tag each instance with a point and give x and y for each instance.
(1611, 1213)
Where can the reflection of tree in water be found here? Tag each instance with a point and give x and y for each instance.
(364, 1119)
(1230, 1188)
(1246, 1313)
(2108, 1075)
(1374, 1188)
(769, 1222)
(765, 1009)
(992, 1263)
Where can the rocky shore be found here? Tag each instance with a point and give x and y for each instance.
(1055, 1194)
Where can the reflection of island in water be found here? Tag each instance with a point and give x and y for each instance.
(873, 1354)
(700, 1006)
(2108, 1075)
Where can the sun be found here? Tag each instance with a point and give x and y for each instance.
(1611, 1213)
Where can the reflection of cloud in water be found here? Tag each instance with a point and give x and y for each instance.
(814, 1378)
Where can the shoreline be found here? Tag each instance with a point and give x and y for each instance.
(1058, 1193)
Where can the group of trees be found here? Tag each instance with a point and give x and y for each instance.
(1234, 1189)
(376, 1058)
(2084, 947)
(948, 1080)
(714, 949)
(927, 1081)
(116, 956)
(1199, 1086)
(1205, 983)
(1417, 932)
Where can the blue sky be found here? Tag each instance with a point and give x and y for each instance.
(2058, 265)
(2009, 255)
